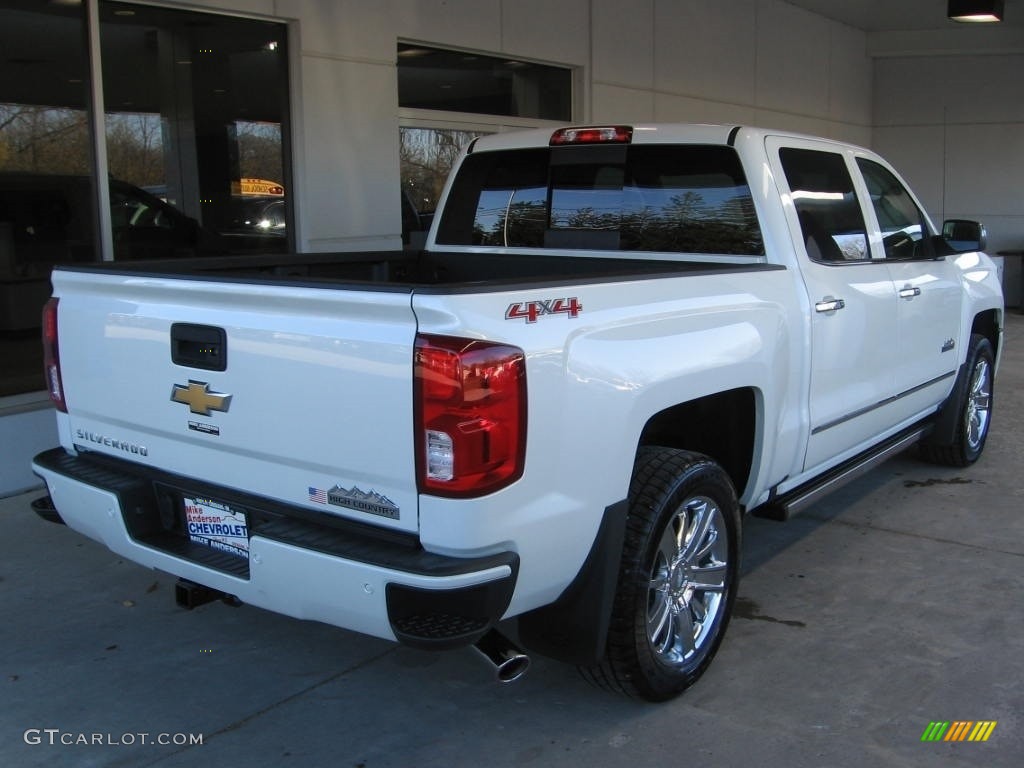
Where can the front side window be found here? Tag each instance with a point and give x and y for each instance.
(665, 198)
(901, 221)
(831, 220)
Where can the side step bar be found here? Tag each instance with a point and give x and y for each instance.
(796, 501)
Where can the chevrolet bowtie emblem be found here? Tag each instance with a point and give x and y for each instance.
(199, 399)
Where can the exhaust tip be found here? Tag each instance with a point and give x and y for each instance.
(513, 669)
(510, 663)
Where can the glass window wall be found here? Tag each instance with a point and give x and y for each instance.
(196, 137)
(47, 213)
(447, 98)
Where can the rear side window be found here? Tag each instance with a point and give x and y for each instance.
(664, 198)
(830, 215)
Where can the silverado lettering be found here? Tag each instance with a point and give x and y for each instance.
(109, 442)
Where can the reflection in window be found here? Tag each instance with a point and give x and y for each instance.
(135, 151)
(427, 156)
(196, 135)
(46, 198)
(678, 199)
(196, 116)
(902, 223)
(516, 217)
(830, 216)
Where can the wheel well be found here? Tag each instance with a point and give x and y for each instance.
(987, 324)
(721, 426)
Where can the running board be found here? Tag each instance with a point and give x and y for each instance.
(796, 501)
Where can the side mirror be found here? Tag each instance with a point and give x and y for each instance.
(964, 235)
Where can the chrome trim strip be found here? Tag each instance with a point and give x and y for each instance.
(881, 403)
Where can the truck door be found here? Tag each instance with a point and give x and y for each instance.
(928, 291)
(852, 303)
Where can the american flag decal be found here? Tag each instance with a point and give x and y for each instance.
(318, 495)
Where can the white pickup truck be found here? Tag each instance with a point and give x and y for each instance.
(548, 424)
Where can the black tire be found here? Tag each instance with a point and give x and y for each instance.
(668, 619)
(974, 411)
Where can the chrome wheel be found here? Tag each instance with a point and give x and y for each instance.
(979, 405)
(963, 422)
(677, 577)
(688, 581)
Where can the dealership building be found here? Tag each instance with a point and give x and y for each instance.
(298, 126)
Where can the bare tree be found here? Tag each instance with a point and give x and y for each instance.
(41, 139)
(427, 156)
(135, 148)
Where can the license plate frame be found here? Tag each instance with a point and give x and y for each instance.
(216, 525)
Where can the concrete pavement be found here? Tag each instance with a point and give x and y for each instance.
(896, 602)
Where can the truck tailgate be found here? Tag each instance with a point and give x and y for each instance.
(296, 393)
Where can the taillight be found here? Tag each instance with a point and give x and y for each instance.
(470, 415)
(603, 134)
(51, 356)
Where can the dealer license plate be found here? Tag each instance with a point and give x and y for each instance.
(217, 525)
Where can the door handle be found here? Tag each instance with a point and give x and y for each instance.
(908, 292)
(829, 304)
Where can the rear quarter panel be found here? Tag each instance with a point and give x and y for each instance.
(636, 348)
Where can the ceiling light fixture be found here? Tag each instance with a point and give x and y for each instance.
(977, 11)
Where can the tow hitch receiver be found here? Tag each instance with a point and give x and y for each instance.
(189, 595)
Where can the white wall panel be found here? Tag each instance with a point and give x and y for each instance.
(793, 59)
(622, 41)
(349, 156)
(861, 135)
(706, 48)
(985, 89)
(550, 31)
(985, 169)
(910, 91)
(612, 104)
(955, 122)
(918, 153)
(682, 109)
(472, 24)
(787, 121)
(850, 76)
(342, 28)
(746, 61)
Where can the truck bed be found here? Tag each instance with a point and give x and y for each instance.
(423, 271)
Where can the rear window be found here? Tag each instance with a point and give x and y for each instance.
(664, 198)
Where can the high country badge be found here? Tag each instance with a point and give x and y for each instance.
(363, 501)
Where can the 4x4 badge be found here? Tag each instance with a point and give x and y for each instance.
(531, 310)
(199, 399)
